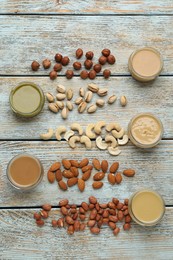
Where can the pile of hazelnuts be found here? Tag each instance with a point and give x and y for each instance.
(90, 71)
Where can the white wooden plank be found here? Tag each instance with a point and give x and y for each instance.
(154, 170)
(21, 238)
(87, 7)
(41, 37)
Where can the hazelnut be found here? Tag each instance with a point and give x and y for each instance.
(58, 57)
(92, 74)
(69, 74)
(57, 67)
(35, 65)
(106, 52)
(65, 61)
(88, 64)
(77, 65)
(97, 68)
(89, 55)
(106, 73)
(102, 60)
(84, 74)
(53, 75)
(111, 59)
(79, 53)
(46, 64)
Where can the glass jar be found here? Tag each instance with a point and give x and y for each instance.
(146, 207)
(24, 172)
(145, 130)
(145, 64)
(27, 99)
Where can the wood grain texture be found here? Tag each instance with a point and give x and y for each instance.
(41, 37)
(87, 7)
(23, 239)
(153, 170)
(154, 97)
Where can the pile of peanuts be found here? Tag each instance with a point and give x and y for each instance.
(106, 57)
(96, 214)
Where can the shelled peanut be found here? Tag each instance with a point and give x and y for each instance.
(71, 172)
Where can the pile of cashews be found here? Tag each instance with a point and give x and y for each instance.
(115, 136)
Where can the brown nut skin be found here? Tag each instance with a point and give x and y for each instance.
(77, 65)
(58, 57)
(57, 67)
(47, 207)
(46, 64)
(69, 74)
(65, 61)
(106, 52)
(97, 68)
(102, 60)
(84, 74)
(37, 216)
(126, 226)
(35, 65)
(89, 55)
(106, 73)
(53, 75)
(40, 222)
(54, 223)
(111, 59)
(79, 53)
(88, 64)
(92, 74)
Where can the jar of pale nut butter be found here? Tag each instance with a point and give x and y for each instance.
(145, 130)
(145, 64)
(146, 207)
(24, 172)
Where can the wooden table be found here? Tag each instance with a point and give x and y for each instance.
(37, 30)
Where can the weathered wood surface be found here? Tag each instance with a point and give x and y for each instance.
(87, 7)
(154, 170)
(41, 37)
(32, 242)
(154, 97)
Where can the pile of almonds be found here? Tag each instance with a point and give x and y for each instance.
(98, 215)
(72, 169)
(61, 61)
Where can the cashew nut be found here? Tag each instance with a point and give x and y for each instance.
(76, 126)
(111, 139)
(85, 140)
(114, 150)
(89, 132)
(68, 134)
(124, 140)
(113, 126)
(98, 127)
(61, 129)
(119, 134)
(101, 144)
(47, 135)
(72, 141)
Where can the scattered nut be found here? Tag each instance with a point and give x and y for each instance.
(60, 104)
(98, 127)
(68, 134)
(92, 74)
(50, 97)
(72, 141)
(53, 107)
(69, 105)
(92, 108)
(69, 74)
(93, 87)
(106, 52)
(114, 151)
(111, 59)
(76, 126)
(106, 73)
(64, 113)
(89, 55)
(111, 139)
(35, 65)
(58, 57)
(69, 94)
(77, 65)
(65, 61)
(46, 64)
(47, 135)
(61, 89)
(112, 126)
(101, 144)
(123, 101)
(100, 102)
(102, 92)
(61, 129)
(112, 99)
(82, 106)
(57, 67)
(124, 140)
(53, 75)
(88, 64)
(78, 100)
(102, 60)
(97, 68)
(84, 74)
(79, 53)
(82, 92)
(84, 139)
(89, 131)
(88, 96)
(118, 134)
(60, 96)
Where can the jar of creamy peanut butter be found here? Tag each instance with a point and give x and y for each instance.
(145, 64)
(145, 130)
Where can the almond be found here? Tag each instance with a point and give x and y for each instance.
(87, 168)
(67, 174)
(96, 164)
(75, 171)
(97, 184)
(58, 175)
(83, 163)
(118, 178)
(66, 164)
(55, 166)
(95, 230)
(81, 185)
(98, 176)
(51, 176)
(74, 163)
(72, 181)
(86, 175)
(111, 178)
(114, 167)
(62, 185)
(63, 202)
(104, 166)
(129, 172)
